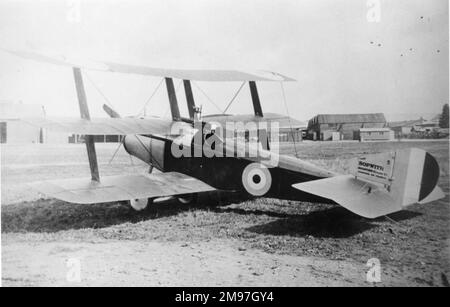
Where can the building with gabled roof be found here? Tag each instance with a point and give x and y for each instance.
(325, 126)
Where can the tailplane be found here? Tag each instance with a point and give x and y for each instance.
(381, 184)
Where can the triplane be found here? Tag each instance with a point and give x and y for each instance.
(378, 184)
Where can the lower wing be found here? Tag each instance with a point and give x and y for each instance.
(117, 188)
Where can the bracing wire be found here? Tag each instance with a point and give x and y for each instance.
(234, 97)
(150, 98)
(289, 119)
(115, 152)
(207, 97)
(149, 152)
(108, 102)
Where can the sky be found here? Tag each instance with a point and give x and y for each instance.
(348, 56)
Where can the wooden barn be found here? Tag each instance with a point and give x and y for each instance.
(327, 127)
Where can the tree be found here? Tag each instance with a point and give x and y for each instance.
(443, 121)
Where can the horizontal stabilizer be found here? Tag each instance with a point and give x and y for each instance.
(118, 188)
(353, 195)
(382, 183)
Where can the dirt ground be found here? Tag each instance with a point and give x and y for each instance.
(223, 240)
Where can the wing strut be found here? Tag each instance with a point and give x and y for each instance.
(262, 134)
(189, 98)
(84, 112)
(255, 99)
(172, 99)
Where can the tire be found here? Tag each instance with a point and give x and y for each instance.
(188, 199)
(140, 204)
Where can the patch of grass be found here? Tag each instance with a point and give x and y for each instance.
(416, 242)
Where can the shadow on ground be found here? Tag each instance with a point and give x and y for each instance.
(52, 215)
(335, 222)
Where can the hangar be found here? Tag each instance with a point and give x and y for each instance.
(343, 126)
(14, 131)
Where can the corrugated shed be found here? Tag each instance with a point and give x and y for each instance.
(351, 118)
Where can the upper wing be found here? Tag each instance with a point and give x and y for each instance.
(117, 188)
(199, 74)
(114, 126)
(186, 74)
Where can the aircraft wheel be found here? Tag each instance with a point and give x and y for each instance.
(188, 199)
(140, 204)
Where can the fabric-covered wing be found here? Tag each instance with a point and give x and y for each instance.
(352, 194)
(102, 126)
(186, 74)
(118, 188)
(200, 74)
(283, 121)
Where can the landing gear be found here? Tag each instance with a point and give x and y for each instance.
(140, 204)
(188, 199)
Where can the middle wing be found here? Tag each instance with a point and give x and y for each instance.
(114, 126)
(118, 188)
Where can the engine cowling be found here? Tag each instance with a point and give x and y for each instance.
(148, 149)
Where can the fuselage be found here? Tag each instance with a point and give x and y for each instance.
(268, 177)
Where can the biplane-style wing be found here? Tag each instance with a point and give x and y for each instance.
(118, 188)
(114, 126)
(283, 121)
(185, 74)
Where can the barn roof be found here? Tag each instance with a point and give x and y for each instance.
(351, 118)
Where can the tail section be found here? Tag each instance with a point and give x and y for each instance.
(381, 184)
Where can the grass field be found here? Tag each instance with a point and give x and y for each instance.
(413, 245)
